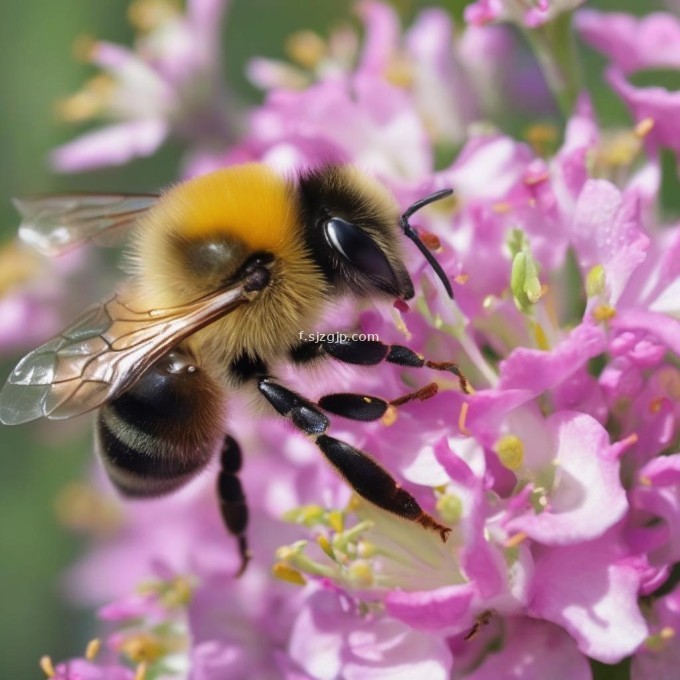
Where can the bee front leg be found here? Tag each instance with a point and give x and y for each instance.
(370, 480)
(371, 353)
(232, 499)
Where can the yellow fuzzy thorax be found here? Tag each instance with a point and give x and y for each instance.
(249, 202)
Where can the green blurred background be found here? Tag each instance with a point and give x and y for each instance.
(37, 460)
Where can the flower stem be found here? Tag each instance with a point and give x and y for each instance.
(554, 47)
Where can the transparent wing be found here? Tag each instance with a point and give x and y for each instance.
(54, 223)
(103, 353)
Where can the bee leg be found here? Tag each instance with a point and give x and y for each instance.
(370, 480)
(371, 353)
(366, 407)
(232, 499)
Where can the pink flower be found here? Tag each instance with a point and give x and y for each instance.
(532, 14)
(169, 85)
(632, 43)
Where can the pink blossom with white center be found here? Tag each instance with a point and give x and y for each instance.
(169, 85)
(328, 641)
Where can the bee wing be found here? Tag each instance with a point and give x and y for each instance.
(53, 223)
(103, 353)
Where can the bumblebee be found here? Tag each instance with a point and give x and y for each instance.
(226, 269)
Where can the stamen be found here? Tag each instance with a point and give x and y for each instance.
(286, 573)
(644, 127)
(306, 48)
(140, 673)
(510, 451)
(540, 337)
(47, 666)
(515, 540)
(142, 647)
(336, 520)
(92, 649)
(361, 574)
(462, 417)
(656, 404)
(145, 15)
(596, 280)
(450, 507)
(326, 546)
(603, 313)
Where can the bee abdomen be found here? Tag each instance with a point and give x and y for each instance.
(156, 436)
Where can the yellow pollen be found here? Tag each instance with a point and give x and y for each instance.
(145, 15)
(510, 451)
(92, 649)
(595, 281)
(450, 508)
(537, 179)
(399, 72)
(462, 278)
(140, 672)
(47, 666)
(603, 313)
(143, 647)
(178, 593)
(88, 102)
(462, 417)
(644, 127)
(630, 439)
(667, 633)
(84, 48)
(366, 550)
(501, 207)
(326, 546)
(17, 265)
(361, 574)
(656, 404)
(645, 481)
(306, 48)
(390, 416)
(541, 136)
(285, 573)
(540, 337)
(336, 520)
(515, 540)
(311, 514)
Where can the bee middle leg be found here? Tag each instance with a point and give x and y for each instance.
(369, 479)
(233, 506)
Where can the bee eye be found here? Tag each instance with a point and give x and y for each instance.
(361, 251)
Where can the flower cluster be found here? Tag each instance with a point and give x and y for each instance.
(559, 476)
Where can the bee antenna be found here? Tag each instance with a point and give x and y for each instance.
(413, 235)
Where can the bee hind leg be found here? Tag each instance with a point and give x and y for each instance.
(232, 499)
(369, 479)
